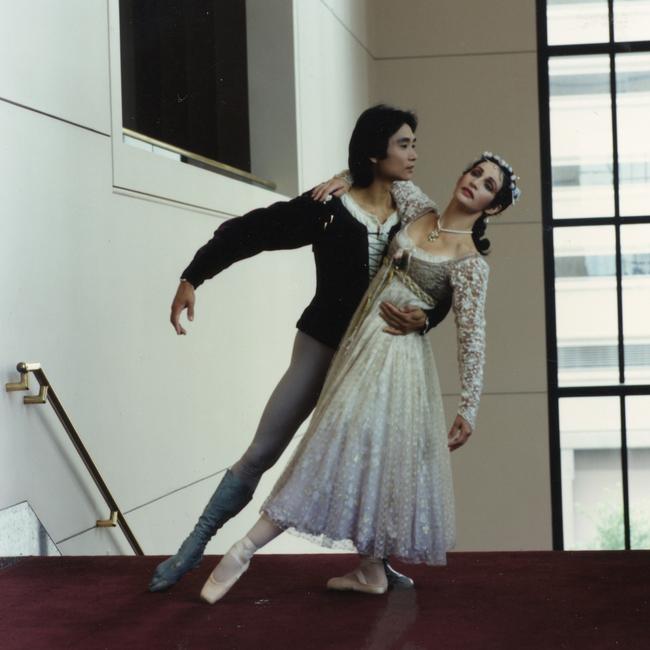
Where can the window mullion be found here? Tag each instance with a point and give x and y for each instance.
(549, 278)
(619, 282)
(625, 477)
(617, 210)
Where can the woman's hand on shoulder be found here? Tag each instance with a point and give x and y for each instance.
(459, 433)
(335, 186)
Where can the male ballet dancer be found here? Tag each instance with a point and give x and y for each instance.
(348, 248)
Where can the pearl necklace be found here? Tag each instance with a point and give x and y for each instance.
(437, 229)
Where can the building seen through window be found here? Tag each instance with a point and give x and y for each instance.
(595, 102)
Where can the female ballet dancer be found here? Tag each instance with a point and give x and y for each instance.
(349, 238)
(373, 472)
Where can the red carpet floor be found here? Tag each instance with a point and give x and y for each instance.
(480, 601)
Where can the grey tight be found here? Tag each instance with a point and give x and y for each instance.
(291, 402)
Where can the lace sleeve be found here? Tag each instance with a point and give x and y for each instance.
(411, 201)
(469, 282)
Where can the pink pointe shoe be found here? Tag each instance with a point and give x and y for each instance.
(238, 561)
(355, 581)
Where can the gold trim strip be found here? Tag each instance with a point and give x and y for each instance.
(222, 167)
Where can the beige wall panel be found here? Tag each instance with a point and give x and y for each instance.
(425, 28)
(54, 58)
(516, 326)
(467, 105)
(475, 89)
(502, 479)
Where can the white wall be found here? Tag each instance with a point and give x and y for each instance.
(95, 235)
(50, 65)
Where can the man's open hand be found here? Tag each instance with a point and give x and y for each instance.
(184, 299)
(402, 320)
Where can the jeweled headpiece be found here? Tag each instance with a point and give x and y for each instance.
(497, 160)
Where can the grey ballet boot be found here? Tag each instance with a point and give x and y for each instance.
(229, 498)
(397, 580)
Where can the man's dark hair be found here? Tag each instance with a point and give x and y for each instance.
(370, 138)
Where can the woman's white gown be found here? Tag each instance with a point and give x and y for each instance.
(373, 472)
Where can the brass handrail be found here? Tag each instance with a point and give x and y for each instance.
(45, 394)
(223, 168)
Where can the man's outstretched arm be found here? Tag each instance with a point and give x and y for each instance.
(283, 225)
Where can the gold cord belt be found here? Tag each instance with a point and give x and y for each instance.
(408, 281)
(403, 277)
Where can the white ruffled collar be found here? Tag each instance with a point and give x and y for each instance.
(368, 219)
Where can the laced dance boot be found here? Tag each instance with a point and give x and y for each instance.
(229, 498)
(397, 580)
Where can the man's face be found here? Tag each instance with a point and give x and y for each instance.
(399, 163)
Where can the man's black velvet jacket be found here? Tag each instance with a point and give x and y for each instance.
(340, 245)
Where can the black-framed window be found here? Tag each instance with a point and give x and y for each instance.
(184, 77)
(594, 83)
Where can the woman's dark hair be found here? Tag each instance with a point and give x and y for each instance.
(502, 199)
(370, 138)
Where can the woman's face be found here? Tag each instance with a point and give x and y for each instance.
(399, 163)
(477, 188)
